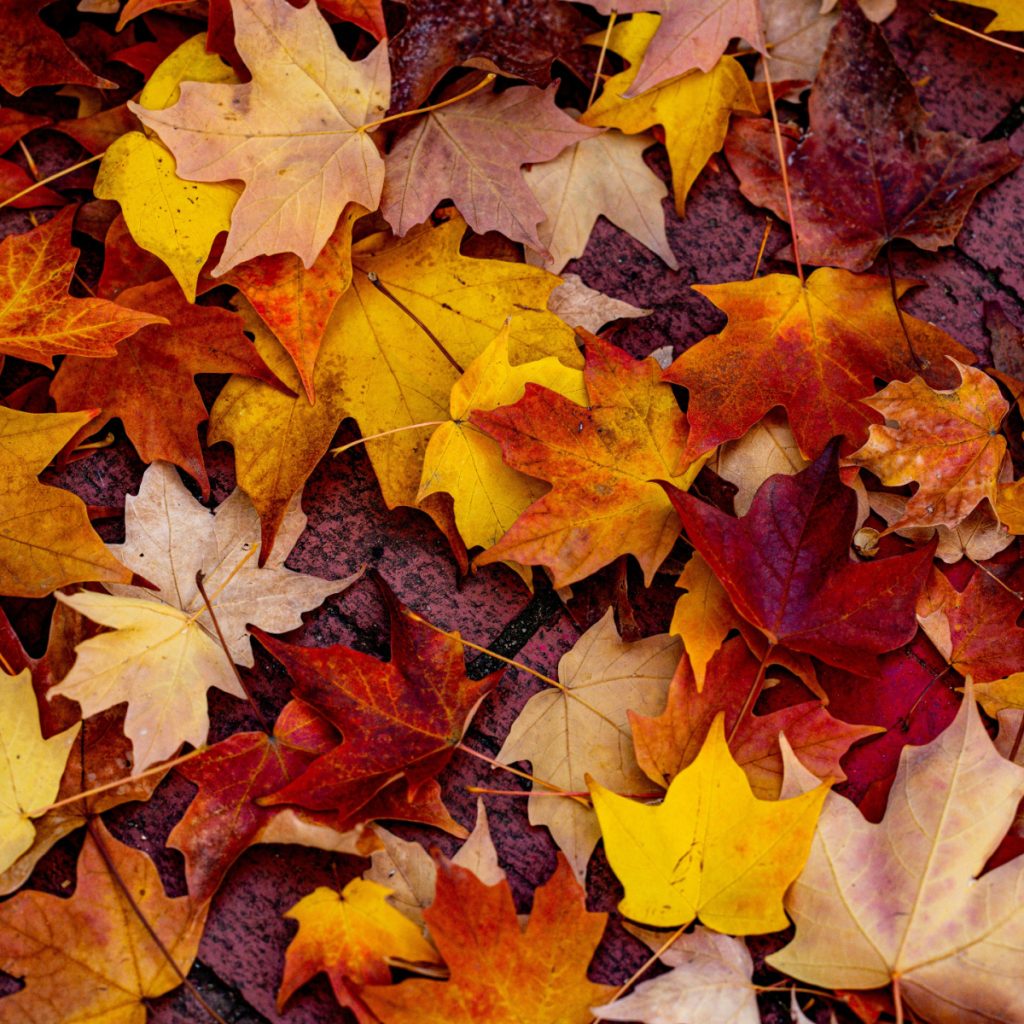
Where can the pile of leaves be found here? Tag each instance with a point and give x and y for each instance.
(313, 364)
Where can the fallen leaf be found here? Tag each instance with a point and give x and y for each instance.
(500, 972)
(471, 152)
(974, 629)
(694, 109)
(46, 540)
(32, 766)
(163, 653)
(1008, 15)
(867, 170)
(33, 54)
(420, 701)
(711, 849)
(666, 744)
(152, 373)
(579, 306)
(948, 442)
(602, 460)
(466, 463)
(175, 220)
(92, 957)
(814, 349)
(786, 566)
(584, 728)
(296, 303)
(349, 936)
(295, 135)
(38, 318)
(710, 982)
(600, 176)
(278, 440)
(901, 900)
(224, 819)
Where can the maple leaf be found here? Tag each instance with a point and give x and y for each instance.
(33, 54)
(173, 219)
(576, 304)
(786, 566)
(38, 319)
(975, 629)
(472, 152)
(152, 372)
(224, 819)
(901, 901)
(868, 170)
(400, 719)
(519, 38)
(377, 365)
(667, 744)
(947, 441)
(46, 540)
(350, 936)
(32, 766)
(710, 982)
(466, 463)
(500, 972)
(294, 135)
(410, 872)
(296, 303)
(93, 956)
(814, 349)
(694, 109)
(979, 537)
(1008, 16)
(692, 34)
(163, 653)
(601, 460)
(601, 176)
(710, 849)
(583, 728)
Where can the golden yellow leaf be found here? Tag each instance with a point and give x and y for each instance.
(1001, 694)
(694, 109)
(46, 540)
(349, 935)
(464, 462)
(703, 615)
(711, 850)
(378, 366)
(175, 220)
(30, 767)
(1009, 14)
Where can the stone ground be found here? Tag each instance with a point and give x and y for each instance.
(968, 85)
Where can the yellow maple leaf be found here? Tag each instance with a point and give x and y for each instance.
(296, 135)
(694, 109)
(711, 849)
(1009, 15)
(30, 767)
(377, 365)
(46, 540)
(350, 936)
(175, 220)
(463, 461)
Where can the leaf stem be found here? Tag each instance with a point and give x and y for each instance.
(755, 691)
(384, 290)
(784, 171)
(386, 433)
(155, 770)
(922, 364)
(52, 177)
(762, 247)
(557, 790)
(482, 84)
(137, 910)
(600, 58)
(979, 35)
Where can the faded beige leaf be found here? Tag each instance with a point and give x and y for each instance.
(579, 306)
